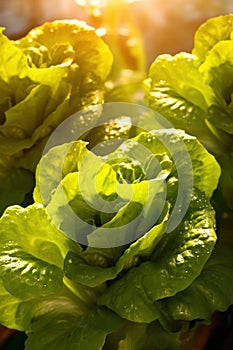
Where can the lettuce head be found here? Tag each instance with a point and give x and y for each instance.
(55, 70)
(195, 92)
(92, 264)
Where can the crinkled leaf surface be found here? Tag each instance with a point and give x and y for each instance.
(59, 43)
(211, 291)
(177, 261)
(36, 98)
(61, 329)
(177, 90)
(210, 33)
(80, 269)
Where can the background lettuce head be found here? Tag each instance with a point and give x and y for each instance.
(194, 91)
(54, 71)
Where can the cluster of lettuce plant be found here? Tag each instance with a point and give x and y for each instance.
(120, 279)
(52, 72)
(194, 91)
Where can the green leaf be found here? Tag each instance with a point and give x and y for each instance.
(211, 291)
(138, 336)
(183, 148)
(134, 337)
(24, 275)
(80, 271)
(210, 33)
(90, 272)
(206, 170)
(216, 71)
(62, 328)
(176, 262)
(144, 246)
(31, 262)
(176, 89)
(56, 164)
(158, 338)
(15, 188)
(12, 61)
(17, 313)
(32, 230)
(10, 311)
(69, 210)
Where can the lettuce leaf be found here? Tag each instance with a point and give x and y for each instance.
(210, 33)
(173, 266)
(208, 292)
(61, 328)
(152, 336)
(34, 290)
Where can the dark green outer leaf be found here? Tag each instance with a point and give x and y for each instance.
(177, 261)
(86, 270)
(58, 329)
(24, 275)
(211, 291)
(148, 337)
(18, 184)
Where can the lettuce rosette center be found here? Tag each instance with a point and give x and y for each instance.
(105, 201)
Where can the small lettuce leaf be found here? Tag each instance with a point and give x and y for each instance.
(56, 164)
(47, 242)
(216, 71)
(132, 219)
(181, 148)
(210, 33)
(60, 328)
(173, 266)
(10, 314)
(177, 90)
